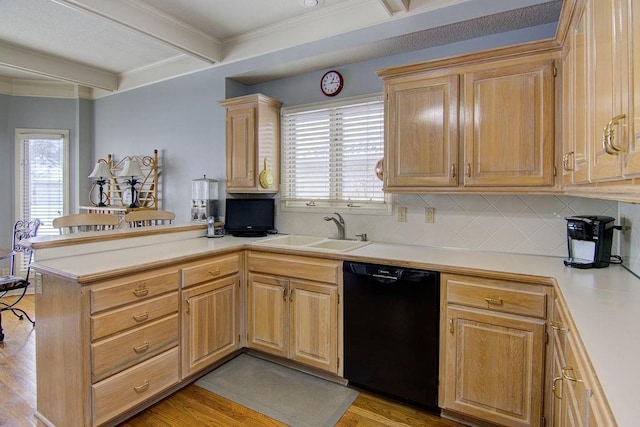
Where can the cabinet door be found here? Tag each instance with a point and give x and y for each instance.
(509, 126)
(314, 324)
(609, 68)
(421, 132)
(241, 148)
(267, 309)
(575, 135)
(210, 323)
(632, 158)
(494, 366)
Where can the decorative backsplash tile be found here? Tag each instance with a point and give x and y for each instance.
(528, 224)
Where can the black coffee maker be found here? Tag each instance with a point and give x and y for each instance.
(589, 239)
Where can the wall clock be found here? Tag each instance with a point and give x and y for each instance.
(331, 83)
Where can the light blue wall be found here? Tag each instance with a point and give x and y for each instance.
(182, 118)
(35, 113)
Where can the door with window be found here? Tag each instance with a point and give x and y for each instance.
(42, 163)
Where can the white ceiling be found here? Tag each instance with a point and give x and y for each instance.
(114, 45)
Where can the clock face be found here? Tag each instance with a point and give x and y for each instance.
(331, 83)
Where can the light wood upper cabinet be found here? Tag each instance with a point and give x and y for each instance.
(493, 349)
(421, 119)
(601, 97)
(575, 104)
(509, 125)
(483, 126)
(252, 142)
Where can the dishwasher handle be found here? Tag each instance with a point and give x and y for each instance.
(384, 278)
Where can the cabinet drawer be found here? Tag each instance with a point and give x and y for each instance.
(214, 269)
(317, 269)
(497, 295)
(122, 351)
(125, 390)
(132, 315)
(118, 292)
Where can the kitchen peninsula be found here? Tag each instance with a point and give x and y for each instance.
(72, 272)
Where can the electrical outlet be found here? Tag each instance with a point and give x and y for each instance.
(402, 214)
(429, 215)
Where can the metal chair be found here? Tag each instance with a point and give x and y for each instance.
(147, 217)
(21, 230)
(76, 223)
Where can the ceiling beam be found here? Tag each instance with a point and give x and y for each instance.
(150, 22)
(49, 66)
(395, 6)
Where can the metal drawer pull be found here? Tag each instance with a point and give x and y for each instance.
(554, 388)
(141, 388)
(141, 348)
(215, 272)
(451, 326)
(141, 317)
(493, 301)
(557, 326)
(141, 292)
(569, 377)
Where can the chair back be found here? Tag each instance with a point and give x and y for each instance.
(76, 223)
(148, 217)
(22, 230)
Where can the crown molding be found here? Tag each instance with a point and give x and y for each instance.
(44, 89)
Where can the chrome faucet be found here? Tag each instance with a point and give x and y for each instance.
(339, 223)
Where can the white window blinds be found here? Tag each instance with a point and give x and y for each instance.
(42, 174)
(330, 153)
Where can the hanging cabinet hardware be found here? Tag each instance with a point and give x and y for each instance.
(141, 317)
(569, 377)
(453, 170)
(557, 326)
(566, 163)
(555, 388)
(141, 348)
(494, 301)
(608, 136)
(141, 292)
(451, 326)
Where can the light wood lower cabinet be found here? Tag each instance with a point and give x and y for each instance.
(106, 346)
(574, 393)
(294, 317)
(493, 349)
(210, 311)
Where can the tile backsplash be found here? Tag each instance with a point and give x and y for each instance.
(528, 224)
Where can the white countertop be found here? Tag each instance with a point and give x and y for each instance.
(604, 303)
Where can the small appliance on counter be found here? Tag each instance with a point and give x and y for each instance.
(214, 228)
(204, 199)
(589, 239)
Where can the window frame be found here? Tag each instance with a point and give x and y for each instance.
(326, 206)
(26, 133)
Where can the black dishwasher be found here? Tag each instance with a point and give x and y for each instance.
(391, 331)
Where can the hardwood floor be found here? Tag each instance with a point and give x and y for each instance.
(191, 406)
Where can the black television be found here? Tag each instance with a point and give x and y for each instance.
(249, 217)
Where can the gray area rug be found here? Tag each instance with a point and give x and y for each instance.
(284, 394)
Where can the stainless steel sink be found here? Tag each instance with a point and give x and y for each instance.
(312, 242)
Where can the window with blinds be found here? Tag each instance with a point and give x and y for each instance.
(42, 172)
(330, 152)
